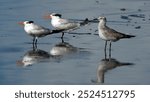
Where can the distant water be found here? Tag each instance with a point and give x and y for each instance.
(80, 58)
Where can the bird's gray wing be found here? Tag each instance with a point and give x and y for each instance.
(41, 29)
(113, 34)
(68, 24)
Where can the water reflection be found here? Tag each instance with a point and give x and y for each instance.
(33, 56)
(106, 65)
(59, 52)
(64, 51)
(63, 48)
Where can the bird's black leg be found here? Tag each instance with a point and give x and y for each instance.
(110, 50)
(105, 49)
(33, 42)
(62, 40)
(36, 42)
(62, 35)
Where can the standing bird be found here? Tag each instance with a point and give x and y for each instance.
(109, 34)
(64, 24)
(36, 31)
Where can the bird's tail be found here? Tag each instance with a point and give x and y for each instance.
(128, 36)
(54, 31)
(57, 31)
(85, 22)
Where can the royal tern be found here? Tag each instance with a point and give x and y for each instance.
(65, 24)
(36, 31)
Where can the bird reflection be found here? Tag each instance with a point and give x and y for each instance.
(34, 56)
(63, 48)
(108, 64)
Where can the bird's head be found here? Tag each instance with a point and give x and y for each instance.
(102, 19)
(26, 22)
(56, 15)
(52, 15)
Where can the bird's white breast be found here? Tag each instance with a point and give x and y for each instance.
(101, 34)
(28, 28)
(55, 23)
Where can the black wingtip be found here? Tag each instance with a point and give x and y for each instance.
(57, 31)
(131, 36)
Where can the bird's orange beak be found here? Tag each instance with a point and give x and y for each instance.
(21, 23)
(47, 16)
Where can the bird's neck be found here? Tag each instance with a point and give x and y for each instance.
(28, 27)
(55, 21)
(102, 24)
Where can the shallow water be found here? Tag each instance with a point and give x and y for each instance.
(81, 57)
